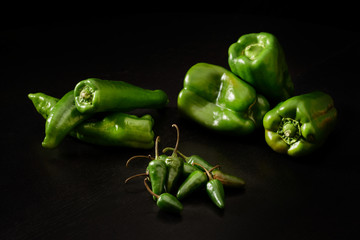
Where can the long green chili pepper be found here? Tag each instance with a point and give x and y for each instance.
(166, 201)
(115, 129)
(96, 95)
(226, 179)
(175, 165)
(62, 118)
(156, 171)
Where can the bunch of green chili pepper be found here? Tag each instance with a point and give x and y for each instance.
(238, 101)
(177, 176)
(76, 114)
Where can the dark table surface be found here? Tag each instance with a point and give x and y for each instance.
(77, 190)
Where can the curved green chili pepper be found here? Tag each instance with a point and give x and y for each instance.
(62, 118)
(96, 95)
(166, 201)
(43, 103)
(175, 165)
(226, 179)
(156, 171)
(115, 129)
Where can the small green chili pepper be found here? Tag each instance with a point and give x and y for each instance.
(188, 169)
(166, 201)
(226, 179)
(62, 118)
(96, 95)
(215, 190)
(193, 182)
(115, 129)
(156, 171)
(175, 165)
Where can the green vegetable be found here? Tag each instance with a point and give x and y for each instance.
(156, 171)
(166, 201)
(96, 95)
(43, 103)
(193, 182)
(226, 179)
(115, 129)
(217, 99)
(215, 190)
(259, 59)
(300, 124)
(175, 166)
(62, 118)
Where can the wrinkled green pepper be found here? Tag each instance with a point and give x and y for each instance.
(259, 59)
(97, 95)
(217, 99)
(115, 129)
(300, 124)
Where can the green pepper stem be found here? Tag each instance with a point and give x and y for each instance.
(134, 176)
(289, 130)
(148, 188)
(157, 147)
(213, 168)
(210, 177)
(137, 156)
(172, 149)
(177, 139)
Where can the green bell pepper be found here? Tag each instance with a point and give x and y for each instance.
(300, 124)
(259, 59)
(217, 99)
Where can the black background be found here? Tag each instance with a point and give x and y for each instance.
(77, 190)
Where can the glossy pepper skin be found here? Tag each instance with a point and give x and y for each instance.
(259, 59)
(193, 182)
(215, 190)
(62, 118)
(217, 99)
(165, 201)
(157, 172)
(97, 95)
(175, 166)
(115, 129)
(300, 124)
